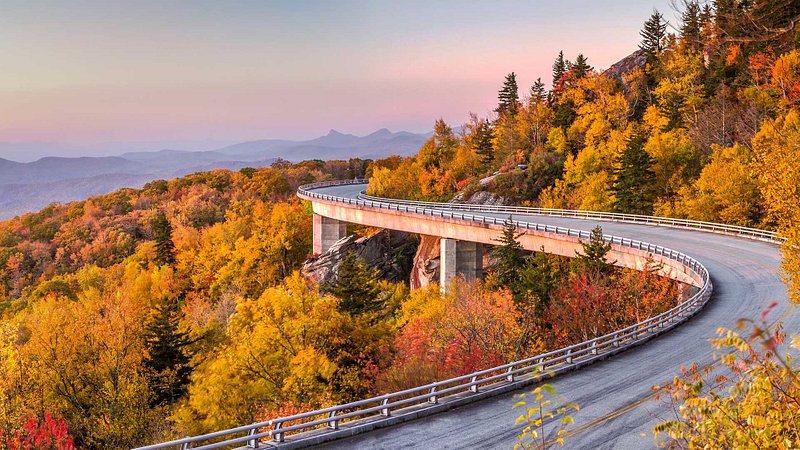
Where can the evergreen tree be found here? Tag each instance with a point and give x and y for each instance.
(538, 278)
(691, 25)
(653, 34)
(167, 358)
(559, 69)
(165, 248)
(581, 67)
(356, 285)
(482, 142)
(594, 253)
(538, 91)
(508, 256)
(508, 96)
(633, 179)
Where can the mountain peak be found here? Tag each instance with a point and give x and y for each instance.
(380, 133)
(333, 132)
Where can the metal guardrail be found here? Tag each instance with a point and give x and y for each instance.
(382, 405)
(735, 230)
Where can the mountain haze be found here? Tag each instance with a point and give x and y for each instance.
(26, 187)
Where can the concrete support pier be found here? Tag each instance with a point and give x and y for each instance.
(459, 258)
(326, 232)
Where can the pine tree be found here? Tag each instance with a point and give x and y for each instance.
(653, 34)
(633, 178)
(356, 285)
(538, 91)
(508, 256)
(559, 69)
(691, 25)
(167, 361)
(594, 253)
(165, 248)
(581, 67)
(508, 96)
(482, 142)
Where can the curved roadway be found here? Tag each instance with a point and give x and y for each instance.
(618, 410)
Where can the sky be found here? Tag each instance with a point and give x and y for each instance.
(90, 77)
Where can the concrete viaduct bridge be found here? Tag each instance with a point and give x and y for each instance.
(740, 266)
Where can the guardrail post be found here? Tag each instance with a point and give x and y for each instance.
(569, 356)
(433, 399)
(186, 445)
(254, 442)
(333, 424)
(277, 436)
(541, 364)
(510, 376)
(385, 411)
(594, 347)
(474, 387)
(615, 342)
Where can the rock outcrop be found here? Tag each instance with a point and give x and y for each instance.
(391, 252)
(426, 262)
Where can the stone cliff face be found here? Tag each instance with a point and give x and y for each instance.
(391, 252)
(426, 262)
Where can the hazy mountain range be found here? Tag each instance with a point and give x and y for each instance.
(30, 186)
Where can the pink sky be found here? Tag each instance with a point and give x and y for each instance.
(96, 72)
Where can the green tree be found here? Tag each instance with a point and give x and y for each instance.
(538, 91)
(356, 285)
(653, 33)
(168, 359)
(581, 67)
(508, 256)
(691, 25)
(508, 96)
(483, 141)
(559, 69)
(165, 248)
(595, 252)
(633, 178)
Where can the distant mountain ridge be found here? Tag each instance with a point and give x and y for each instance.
(26, 187)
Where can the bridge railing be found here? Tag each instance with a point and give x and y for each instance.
(526, 369)
(735, 230)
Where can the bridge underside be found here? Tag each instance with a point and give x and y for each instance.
(461, 249)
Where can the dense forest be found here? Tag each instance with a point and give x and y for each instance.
(181, 307)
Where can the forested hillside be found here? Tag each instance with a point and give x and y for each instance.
(702, 123)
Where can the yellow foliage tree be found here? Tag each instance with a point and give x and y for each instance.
(777, 152)
(726, 190)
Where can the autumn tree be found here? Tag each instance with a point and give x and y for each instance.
(776, 155)
(168, 357)
(726, 191)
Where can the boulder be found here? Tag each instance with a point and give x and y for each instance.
(390, 252)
